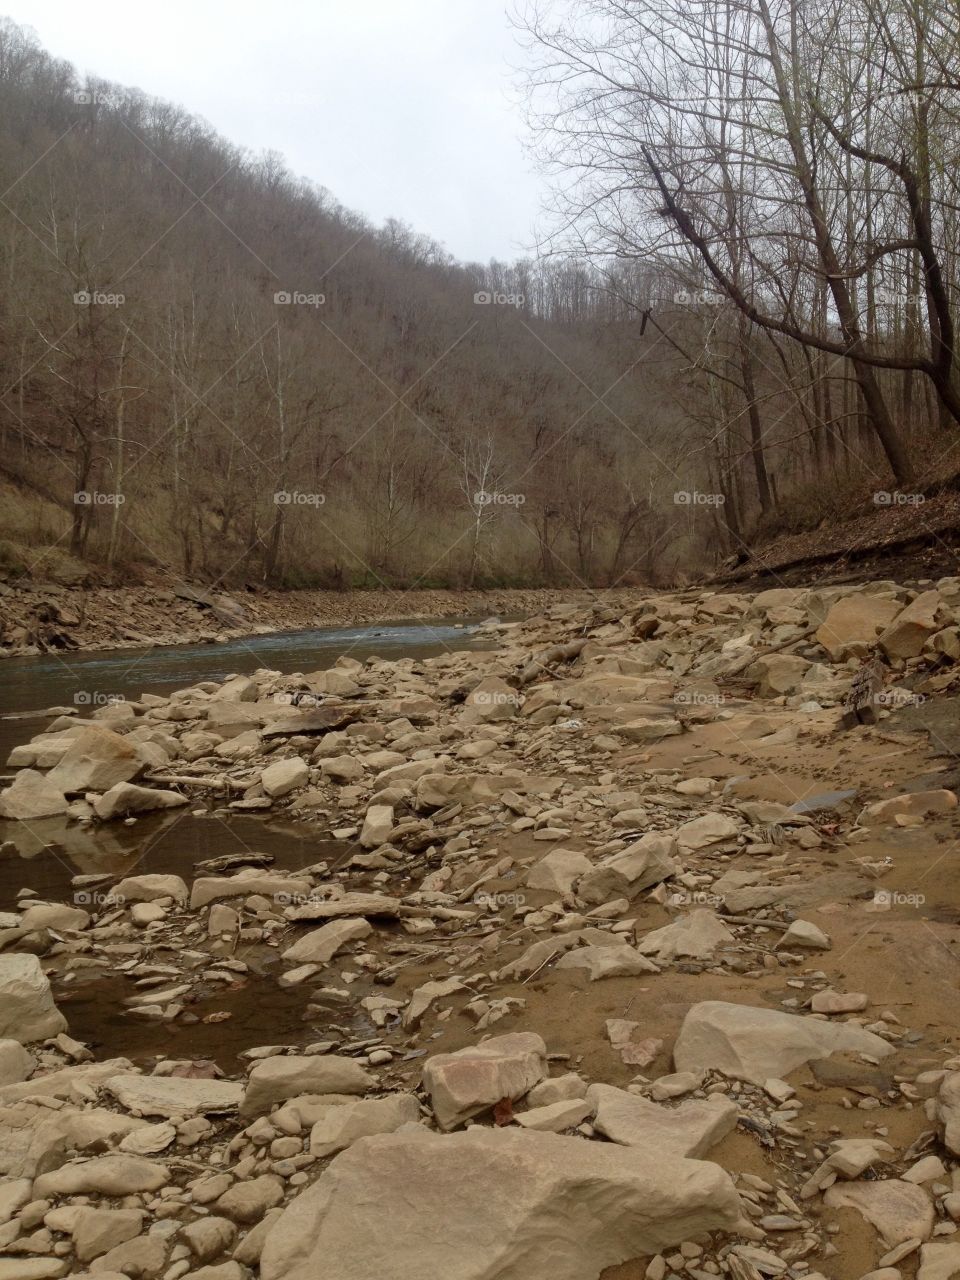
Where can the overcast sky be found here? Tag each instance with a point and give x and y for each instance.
(401, 108)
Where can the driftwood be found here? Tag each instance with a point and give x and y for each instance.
(542, 662)
(773, 648)
(207, 783)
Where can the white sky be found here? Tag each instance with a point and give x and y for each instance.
(400, 108)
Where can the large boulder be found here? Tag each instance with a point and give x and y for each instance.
(754, 1044)
(27, 1011)
(853, 624)
(30, 796)
(623, 875)
(500, 1204)
(275, 1079)
(913, 626)
(96, 760)
(476, 1078)
(689, 1129)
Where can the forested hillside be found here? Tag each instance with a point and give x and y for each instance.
(211, 367)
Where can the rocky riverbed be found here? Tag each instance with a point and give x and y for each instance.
(628, 951)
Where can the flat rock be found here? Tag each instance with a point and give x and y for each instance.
(174, 1095)
(707, 830)
(556, 1116)
(899, 1210)
(319, 946)
(754, 1044)
(351, 904)
(689, 1129)
(514, 1204)
(283, 889)
(118, 1175)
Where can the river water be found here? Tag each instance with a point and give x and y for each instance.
(44, 855)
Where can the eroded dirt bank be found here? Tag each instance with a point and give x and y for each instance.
(617, 955)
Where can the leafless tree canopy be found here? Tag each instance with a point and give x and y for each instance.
(742, 314)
